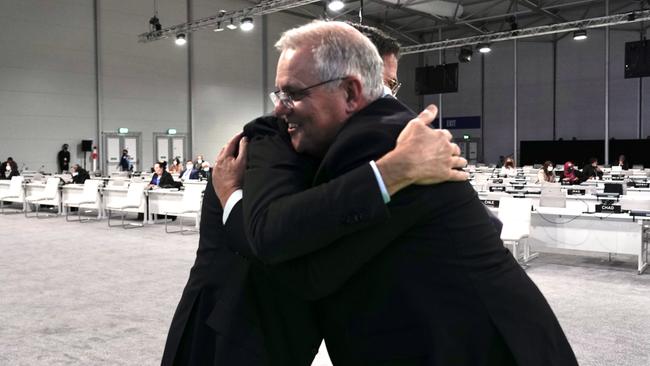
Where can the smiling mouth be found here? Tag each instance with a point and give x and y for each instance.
(291, 127)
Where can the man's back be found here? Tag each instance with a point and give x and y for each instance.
(446, 291)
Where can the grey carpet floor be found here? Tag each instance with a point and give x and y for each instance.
(84, 294)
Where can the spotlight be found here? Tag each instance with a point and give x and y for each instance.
(246, 24)
(180, 39)
(484, 47)
(465, 54)
(218, 28)
(154, 24)
(335, 5)
(579, 35)
(231, 25)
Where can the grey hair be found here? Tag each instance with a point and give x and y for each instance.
(339, 50)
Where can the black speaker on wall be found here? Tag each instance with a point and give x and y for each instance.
(87, 145)
(637, 59)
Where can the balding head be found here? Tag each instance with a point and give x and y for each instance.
(338, 49)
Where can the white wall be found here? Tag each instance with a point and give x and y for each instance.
(144, 85)
(47, 80)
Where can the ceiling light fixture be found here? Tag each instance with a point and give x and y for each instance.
(180, 39)
(246, 24)
(484, 48)
(465, 54)
(580, 35)
(335, 5)
(231, 25)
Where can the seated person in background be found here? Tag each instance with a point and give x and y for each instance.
(591, 170)
(79, 174)
(546, 174)
(189, 172)
(161, 177)
(204, 173)
(570, 174)
(508, 168)
(622, 162)
(9, 169)
(176, 167)
(199, 160)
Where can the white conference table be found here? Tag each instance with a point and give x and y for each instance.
(571, 228)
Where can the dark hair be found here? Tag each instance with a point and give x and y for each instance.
(386, 45)
(593, 160)
(548, 163)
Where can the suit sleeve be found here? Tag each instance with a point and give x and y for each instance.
(334, 244)
(323, 272)
(285, 219)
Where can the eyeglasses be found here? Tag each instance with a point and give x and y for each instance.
(287, 98)
(393, 85)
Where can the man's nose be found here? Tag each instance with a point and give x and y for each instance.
(281, 110)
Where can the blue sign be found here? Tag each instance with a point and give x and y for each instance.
(460, 123)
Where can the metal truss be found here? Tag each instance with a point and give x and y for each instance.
(625, 18)
(265, 7)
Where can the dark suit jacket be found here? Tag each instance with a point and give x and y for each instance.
(63, 159)
(81, 176)
(194, 174)
(445, 291)
(235, 310)
(166, 180)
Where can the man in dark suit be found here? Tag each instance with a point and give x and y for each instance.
(445, 290)
(79, 174)
(63, 159)
(234, 311)
(190, 172)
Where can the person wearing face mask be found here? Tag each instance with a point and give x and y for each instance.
(125, 164)
(79, 174)
(199, 160)
(205, 173)
(176, 167)
(189, 172)
(508, 168)
(622, 162)
(8, 169)
(570, 174)
(546, 174)
(591, 170)
(63, 159)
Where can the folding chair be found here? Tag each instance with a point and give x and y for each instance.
(14, 194)
(134, 197)
(50, 196)
(190, 205)
(515, 215)
(89, 198)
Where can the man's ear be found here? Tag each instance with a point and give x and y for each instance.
(353, 91)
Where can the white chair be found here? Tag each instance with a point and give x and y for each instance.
(49, 196)
(515, 215)
(133, 201)
(89, 198)
(14, 194)
(190, 206)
